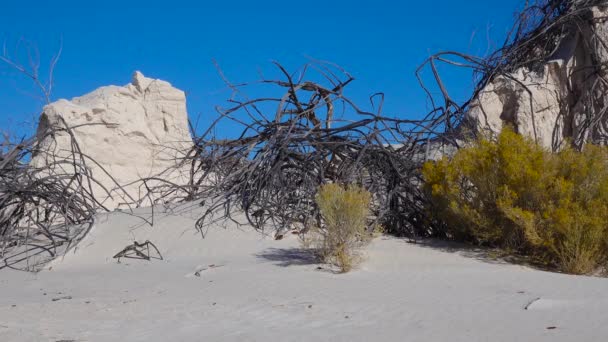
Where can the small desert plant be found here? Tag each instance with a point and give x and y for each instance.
(345, 211)
(513, 194)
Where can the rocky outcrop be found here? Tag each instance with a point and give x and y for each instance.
(125, 133)
(563, 100)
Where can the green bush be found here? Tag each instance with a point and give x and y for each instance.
(511, 193)
(345, 212)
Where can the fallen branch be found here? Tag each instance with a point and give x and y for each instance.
(138, 250)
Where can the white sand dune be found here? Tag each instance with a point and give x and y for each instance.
(237, 285)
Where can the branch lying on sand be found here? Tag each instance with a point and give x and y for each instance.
(138, 250)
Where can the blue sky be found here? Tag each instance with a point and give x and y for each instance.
(380, 42)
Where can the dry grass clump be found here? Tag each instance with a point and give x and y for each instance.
(345, 211)
(511, 193)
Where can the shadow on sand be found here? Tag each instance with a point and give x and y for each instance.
(484, 254)
(286, 257)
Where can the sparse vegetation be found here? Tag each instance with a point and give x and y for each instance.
(513, 194)
(287, 142)
(345, 211)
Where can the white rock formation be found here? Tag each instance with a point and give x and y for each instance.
(131, 132)
(530, 105)
(552, 104)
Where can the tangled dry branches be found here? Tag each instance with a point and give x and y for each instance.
(306, 135)
(311, 133)
(45, 209)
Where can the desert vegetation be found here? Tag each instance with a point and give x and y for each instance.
(306, 132)
(512, 193)
(44, 210)
(344, 228)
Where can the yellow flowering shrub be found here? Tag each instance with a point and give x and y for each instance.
(513, 194)
(345, 211)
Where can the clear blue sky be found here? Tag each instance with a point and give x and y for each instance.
(380, 42)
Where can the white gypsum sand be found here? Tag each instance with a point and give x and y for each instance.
(238, 285)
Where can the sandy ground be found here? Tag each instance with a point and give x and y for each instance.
(237, 285)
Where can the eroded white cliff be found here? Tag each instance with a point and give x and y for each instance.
(125, 133)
